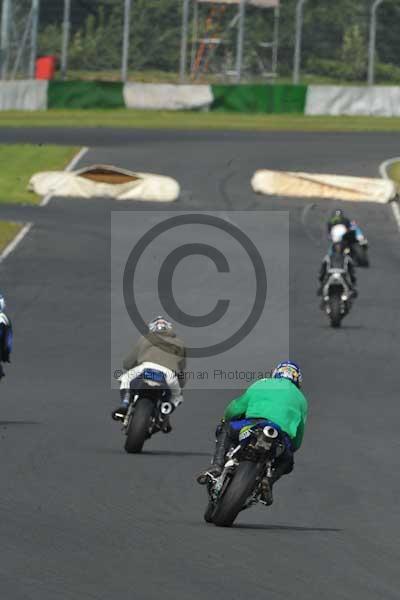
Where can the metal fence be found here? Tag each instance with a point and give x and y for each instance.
(18, 44)
(203, 40)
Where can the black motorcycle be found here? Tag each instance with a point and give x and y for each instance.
(336, 297)
(240, 484)
(150, 404)
(358, 245)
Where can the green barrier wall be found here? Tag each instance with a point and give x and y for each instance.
(260, 98)
(85, 94)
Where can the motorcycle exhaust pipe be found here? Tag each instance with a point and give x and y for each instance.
(166, 408)
(270, 432)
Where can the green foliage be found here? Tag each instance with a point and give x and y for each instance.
(386, 72)
(345, 72)
(335, 37)
(334, 69)
(156, 34)
(97, 42)
(94, 45)
(354, 51)
(50, 40)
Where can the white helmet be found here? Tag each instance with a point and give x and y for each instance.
(2, 303)
(159, 324)
(337, 233)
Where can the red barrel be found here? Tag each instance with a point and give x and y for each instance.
(46, 67)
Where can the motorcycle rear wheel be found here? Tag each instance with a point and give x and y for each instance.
(209, 512)
(237, 492)
(361, 255)
(138, 429)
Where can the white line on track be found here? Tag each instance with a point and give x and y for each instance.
(384, 173)
(25, 230)
(69, 167)
(14, 243)
(396, 213)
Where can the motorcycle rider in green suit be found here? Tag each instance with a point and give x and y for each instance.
(278, 400)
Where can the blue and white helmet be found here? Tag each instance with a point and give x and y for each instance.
(159, 324)
(2, 303)
(288, 370)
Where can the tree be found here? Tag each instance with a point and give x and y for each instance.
(354, 51)
(334, 36)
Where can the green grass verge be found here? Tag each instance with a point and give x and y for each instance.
(394, 173)
(20, 161)
(194, 120)
(8, 231)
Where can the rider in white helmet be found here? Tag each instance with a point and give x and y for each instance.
(338, 218)
(338, 233)
(160, 349)
(338, 257)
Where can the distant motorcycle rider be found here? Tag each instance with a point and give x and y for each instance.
(349, 230)
(278, 400)
(338, 218)
(338, 258)
(6, 336)
(162, 350)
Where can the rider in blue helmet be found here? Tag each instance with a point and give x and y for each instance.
(6, 336)
(279, 400)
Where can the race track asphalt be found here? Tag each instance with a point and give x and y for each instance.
(82, 520)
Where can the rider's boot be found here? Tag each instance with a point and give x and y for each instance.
(320, 292)
(266, 491)
(166, 426)
(119, 413)
(354, 293)
(267, 484)
(222, 443)
(283, 467)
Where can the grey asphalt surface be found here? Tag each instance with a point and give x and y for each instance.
(80, 519)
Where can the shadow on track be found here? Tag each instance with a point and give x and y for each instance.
(148, 453)
(287, 528)
(176, 453)
(343, 327)
(11, 423)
